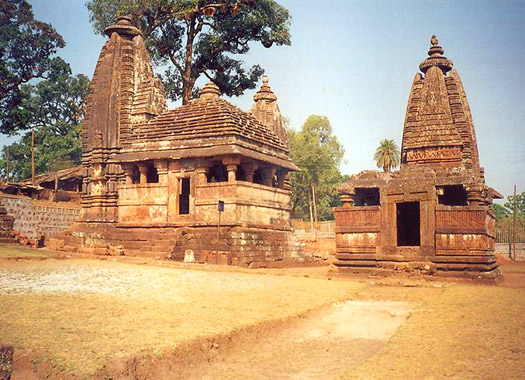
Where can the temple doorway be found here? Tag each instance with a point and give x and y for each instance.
(408, 224)
(184, 196)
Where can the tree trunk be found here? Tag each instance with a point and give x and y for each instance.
(33, 157)
(187, 83)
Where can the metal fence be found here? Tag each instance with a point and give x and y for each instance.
(504, 229)
(327, 227)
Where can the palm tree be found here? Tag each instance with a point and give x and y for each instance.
(387, 155)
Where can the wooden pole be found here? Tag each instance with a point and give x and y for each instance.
(33, 157)
(514, 226)
(315, 211)
(7, 159)
(311, 213)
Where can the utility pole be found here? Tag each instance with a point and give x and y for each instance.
(7, 159)
(315, 210)
(33, 156)
(514, 227)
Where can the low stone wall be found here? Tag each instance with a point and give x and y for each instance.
(506, 248)
(34, 217)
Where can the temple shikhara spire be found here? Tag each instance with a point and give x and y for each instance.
(432, 216)
(202, 182)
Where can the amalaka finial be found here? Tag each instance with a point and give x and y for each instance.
(436, 57)
(265, 92)
(123, 26)
(210, 91)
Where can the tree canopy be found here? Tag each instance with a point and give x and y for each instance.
(27, 47)
(387, 155)
(200, 37)
(54, 109)
(318, 153)
(507, 210)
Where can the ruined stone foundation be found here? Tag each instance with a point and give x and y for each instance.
(233, 245)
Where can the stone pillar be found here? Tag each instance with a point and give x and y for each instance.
(202, 174)
(268, 176)
(281, 176)
(232, 172)
(249, 169)
(231, 164)
(162, 170)
(143, 169)
(347, 200)
(128, 170)
(474, 195)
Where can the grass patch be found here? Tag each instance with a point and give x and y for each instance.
(12, 250)
(465, 332)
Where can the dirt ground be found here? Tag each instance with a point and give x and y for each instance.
(135, 318)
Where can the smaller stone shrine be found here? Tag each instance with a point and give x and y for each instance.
(432, 216)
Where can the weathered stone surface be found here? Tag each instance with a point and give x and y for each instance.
(432, 216)
(154, 179)
(6, 362)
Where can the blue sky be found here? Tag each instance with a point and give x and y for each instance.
(354, 61)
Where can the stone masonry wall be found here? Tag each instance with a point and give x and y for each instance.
(505, 249)
(33, 217)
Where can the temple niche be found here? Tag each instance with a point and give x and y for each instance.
(155, 179)
(432, 216)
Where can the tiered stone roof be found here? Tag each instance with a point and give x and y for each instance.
(207, 116)
(123, 90)
(438, 124)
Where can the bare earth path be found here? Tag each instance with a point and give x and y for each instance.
(321, 346)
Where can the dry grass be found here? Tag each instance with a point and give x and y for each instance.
(11, 250)
(101, 310)
(109, 309)
(464, 332)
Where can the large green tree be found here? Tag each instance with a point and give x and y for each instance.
(201, 37)
(27, 47)
(318, 153)
(387, 155)
(54, 109)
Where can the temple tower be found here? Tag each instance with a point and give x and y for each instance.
(266, 110)
(123, 92)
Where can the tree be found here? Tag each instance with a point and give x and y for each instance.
(200, 37)
(520, 205)
(54, 109)
(387, 155)
(27, 47)
(500, 211)
(318, 153)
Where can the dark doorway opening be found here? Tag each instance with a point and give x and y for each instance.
(218, 173)
(408, 224)
(366, 196)
(153, 175)
(184, 196)
(452, 195)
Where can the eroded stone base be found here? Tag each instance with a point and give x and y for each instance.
(229, 245)
(482, 269)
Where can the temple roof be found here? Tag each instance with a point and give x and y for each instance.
(438, 125)
(207, 116)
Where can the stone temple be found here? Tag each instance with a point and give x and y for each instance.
(433, 216)
(155, 179)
